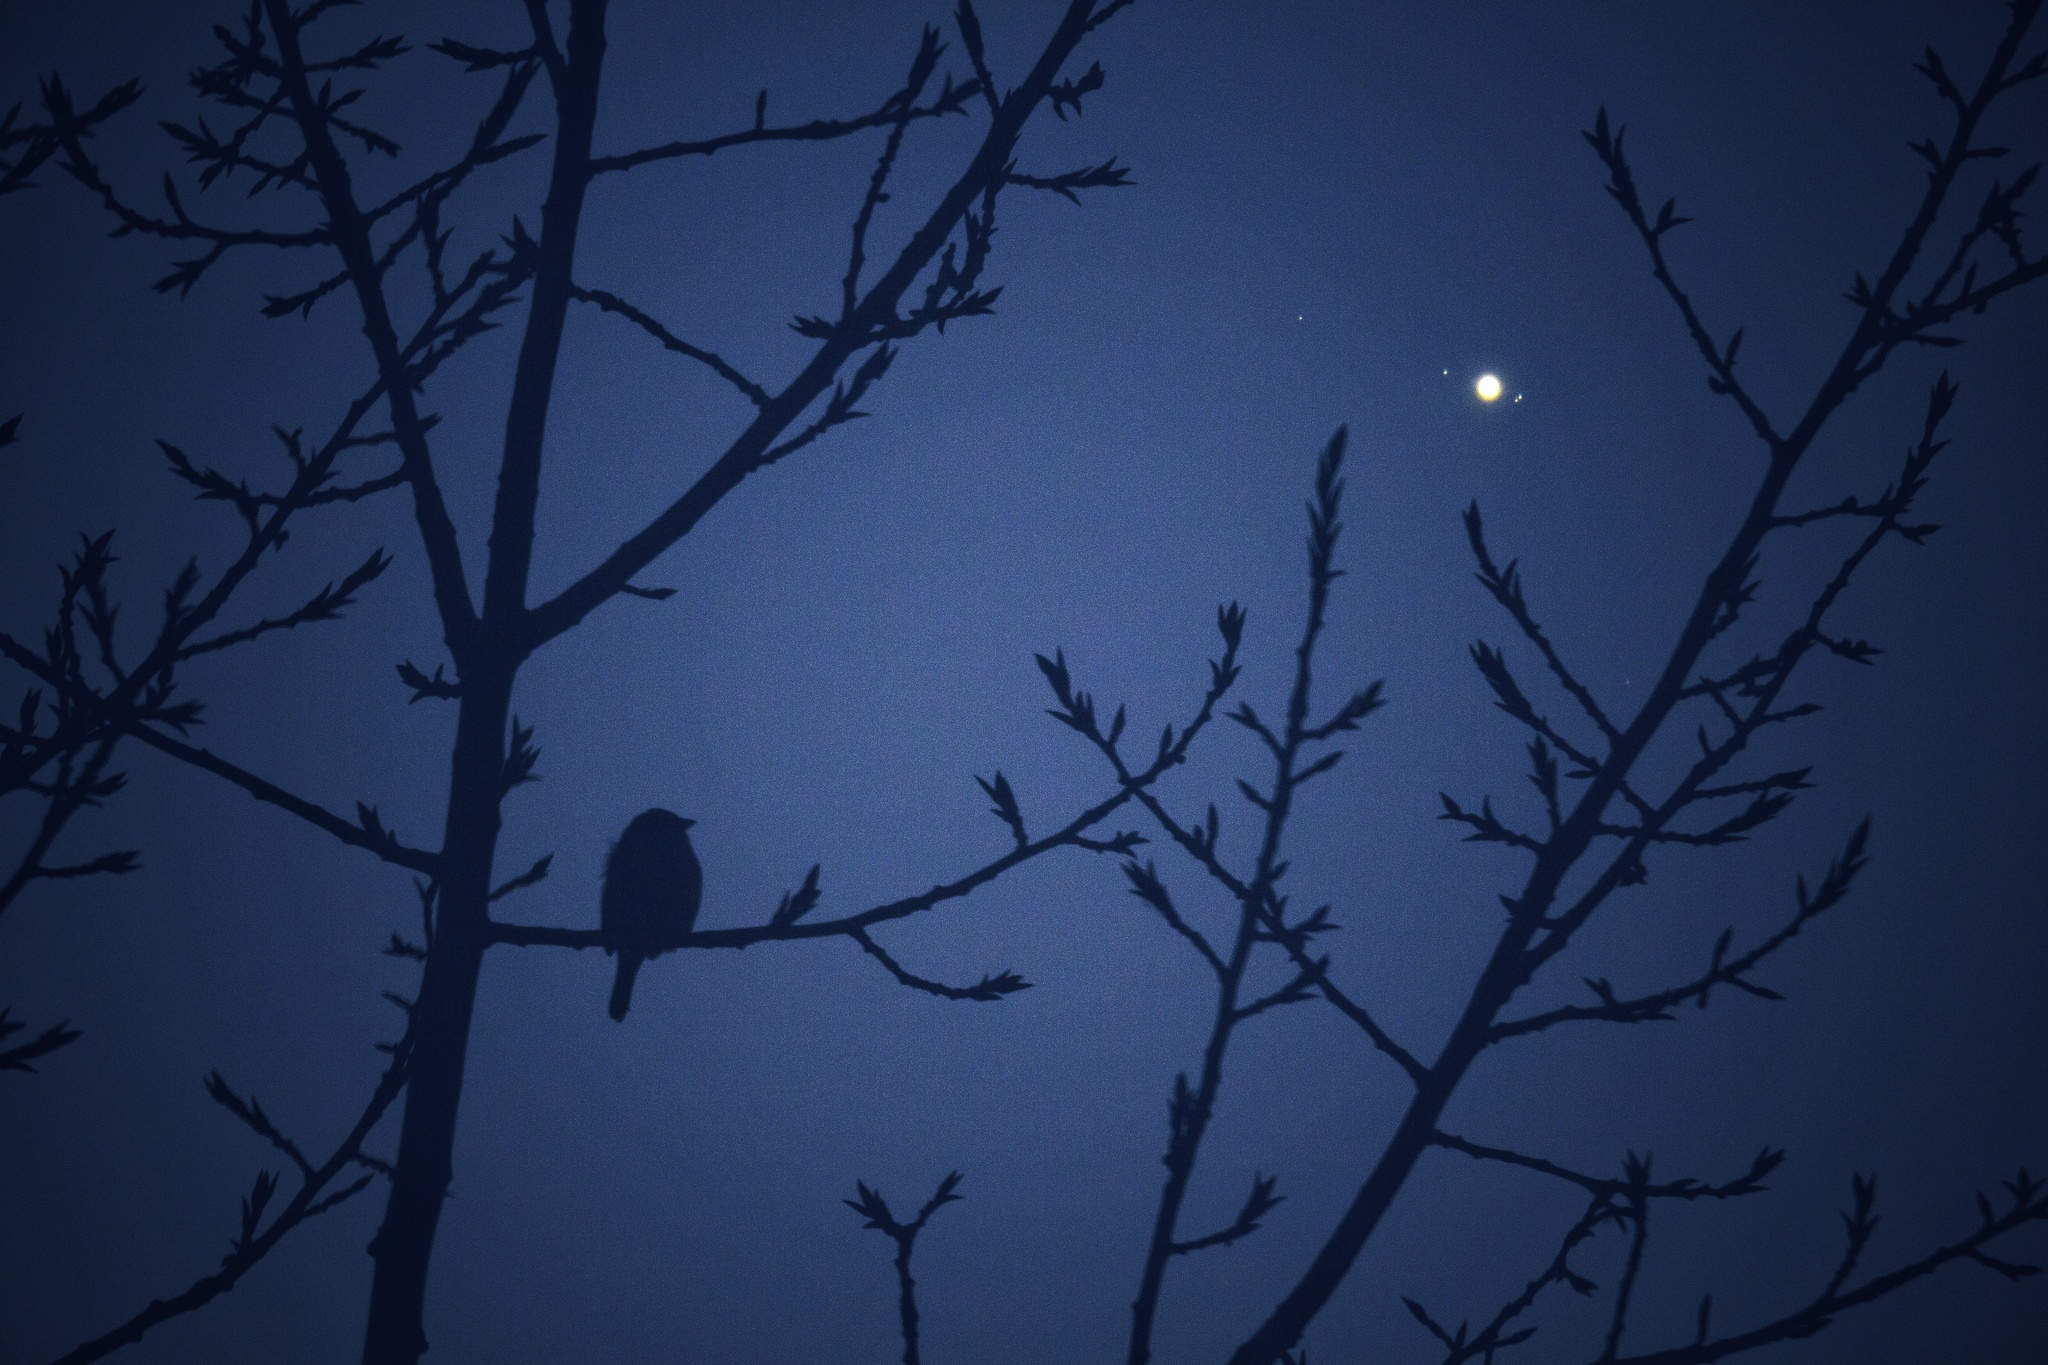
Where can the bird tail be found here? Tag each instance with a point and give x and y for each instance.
(622, 984)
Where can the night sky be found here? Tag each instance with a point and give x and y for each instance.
(1340, 214)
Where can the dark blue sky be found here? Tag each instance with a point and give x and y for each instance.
(1334, 206)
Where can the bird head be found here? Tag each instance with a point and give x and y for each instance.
(654, 817)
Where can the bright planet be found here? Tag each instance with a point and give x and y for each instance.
(1488, 387)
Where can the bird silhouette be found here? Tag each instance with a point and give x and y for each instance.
(653, 885)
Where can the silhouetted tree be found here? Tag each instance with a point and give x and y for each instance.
(291, 132)
(1607, 808)
(65, 772)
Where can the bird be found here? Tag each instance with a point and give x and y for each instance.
(653, 885)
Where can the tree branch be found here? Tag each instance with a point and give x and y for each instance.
(871, 1206)
(612, 303)
(256, 1239)
(849, 926)
(875, 312)
(368, 833)
(952, 99)
(23, 1056)
(2028, 1205)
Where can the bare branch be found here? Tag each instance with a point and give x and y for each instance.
(952, 99)
(612, 303)
(1260, 1202)
(1749, 1182)
(366, 833)
(23, 1056)
(1147, 887)
(1723, 970)
(992, 986)
(1505, 586)
(325, 605)
(317, 1193)
(2028, 1205)
(871, 320)
(72, 791)
(871, 1206)
(783, 927)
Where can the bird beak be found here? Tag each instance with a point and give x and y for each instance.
(689, 824)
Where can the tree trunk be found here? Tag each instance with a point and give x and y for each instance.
(405, 1242)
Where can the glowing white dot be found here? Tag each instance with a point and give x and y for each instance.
(1488, 387)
